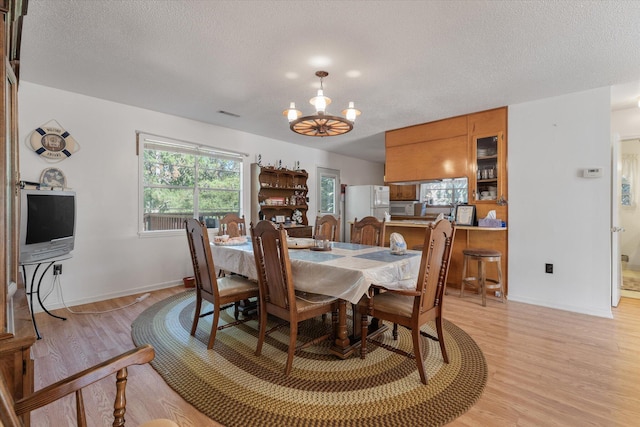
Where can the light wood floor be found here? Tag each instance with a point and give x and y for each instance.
(546, 367)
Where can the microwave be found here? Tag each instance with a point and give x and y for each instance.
(401, 208)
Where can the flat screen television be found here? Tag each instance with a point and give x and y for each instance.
(47, 224)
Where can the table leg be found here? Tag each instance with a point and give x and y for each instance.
(341, 346)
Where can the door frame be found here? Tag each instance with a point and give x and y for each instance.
(616, 228)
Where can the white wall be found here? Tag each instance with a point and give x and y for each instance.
(626, 123)
(555, 216)
(110, 259)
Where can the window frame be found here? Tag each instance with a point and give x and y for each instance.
(446, 184)
(146, 140)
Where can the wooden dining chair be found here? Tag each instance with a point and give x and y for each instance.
(233, 225)
(328, 226)
(220, 292)
(12, 411)
(412, 308)
(368, 231)
(277, 292)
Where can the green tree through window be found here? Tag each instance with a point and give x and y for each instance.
(182, 180)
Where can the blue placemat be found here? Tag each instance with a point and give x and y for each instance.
(313, 256)
(387, 256)
(350, 246)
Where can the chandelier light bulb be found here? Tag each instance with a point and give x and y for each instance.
(351, 113)
(320, 102)
(292, 114)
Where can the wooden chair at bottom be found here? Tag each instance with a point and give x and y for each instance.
(10, 411)
(412, 308)
(277, 293)
(368, 231)
(220, 292)
(327, 226)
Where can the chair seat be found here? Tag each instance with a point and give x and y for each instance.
(390, 303)
(481, 252)
(234, 285)
(306, 301)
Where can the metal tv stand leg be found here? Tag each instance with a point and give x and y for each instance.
(37, 291)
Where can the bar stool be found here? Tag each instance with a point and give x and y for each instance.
(481, 282)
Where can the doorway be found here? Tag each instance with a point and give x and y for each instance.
(630, 217)
(328, 193)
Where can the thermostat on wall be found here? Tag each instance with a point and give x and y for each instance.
(592, 173)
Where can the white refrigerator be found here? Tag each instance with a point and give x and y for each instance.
(364, 200)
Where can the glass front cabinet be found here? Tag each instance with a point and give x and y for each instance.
(490, 168)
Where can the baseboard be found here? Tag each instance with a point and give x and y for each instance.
(574, 309)
(629, 294)
(632, 267)
(108, 296)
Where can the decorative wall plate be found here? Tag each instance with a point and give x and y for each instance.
(52, 142)
(53, 177)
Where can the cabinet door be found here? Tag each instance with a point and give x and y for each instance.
(443, 158)
(489, 167)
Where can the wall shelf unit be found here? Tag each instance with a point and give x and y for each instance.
(279, 193)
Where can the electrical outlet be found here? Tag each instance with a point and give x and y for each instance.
(548, 268)
(57, 269)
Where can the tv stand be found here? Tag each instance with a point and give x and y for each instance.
(36, 291)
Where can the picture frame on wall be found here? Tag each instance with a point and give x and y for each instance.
(465, 215)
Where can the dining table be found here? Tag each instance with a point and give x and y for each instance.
(343, 270)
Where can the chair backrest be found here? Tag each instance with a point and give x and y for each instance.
(368, 231)
(328, 226)
(434, 265)
(273, 266)
(233, 225)
(204, 271)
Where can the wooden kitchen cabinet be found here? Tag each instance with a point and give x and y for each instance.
(422, 161)
(406, 192)
(278, 192)
(488, 154)
(432, 131)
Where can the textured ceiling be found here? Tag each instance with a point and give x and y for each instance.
(413, 61)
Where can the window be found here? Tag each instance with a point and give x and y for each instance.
(182, 180)
(629, 176)
(445, 192)
(328, 191)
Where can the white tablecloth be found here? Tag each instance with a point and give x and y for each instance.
(345, 272)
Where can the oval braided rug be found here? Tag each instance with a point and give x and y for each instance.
(236, 388)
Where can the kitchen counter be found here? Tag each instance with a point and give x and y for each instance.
(412, 230)
(424, 223)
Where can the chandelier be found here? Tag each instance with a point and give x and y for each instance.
(321, 124)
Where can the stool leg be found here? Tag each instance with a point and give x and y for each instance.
(464, 274)
(482, 279)
(500, 280)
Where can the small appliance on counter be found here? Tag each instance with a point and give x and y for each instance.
(402, 208)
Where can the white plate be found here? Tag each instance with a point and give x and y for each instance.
(232, 242)
(300, 243)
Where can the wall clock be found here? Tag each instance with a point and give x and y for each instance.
(52, 142)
